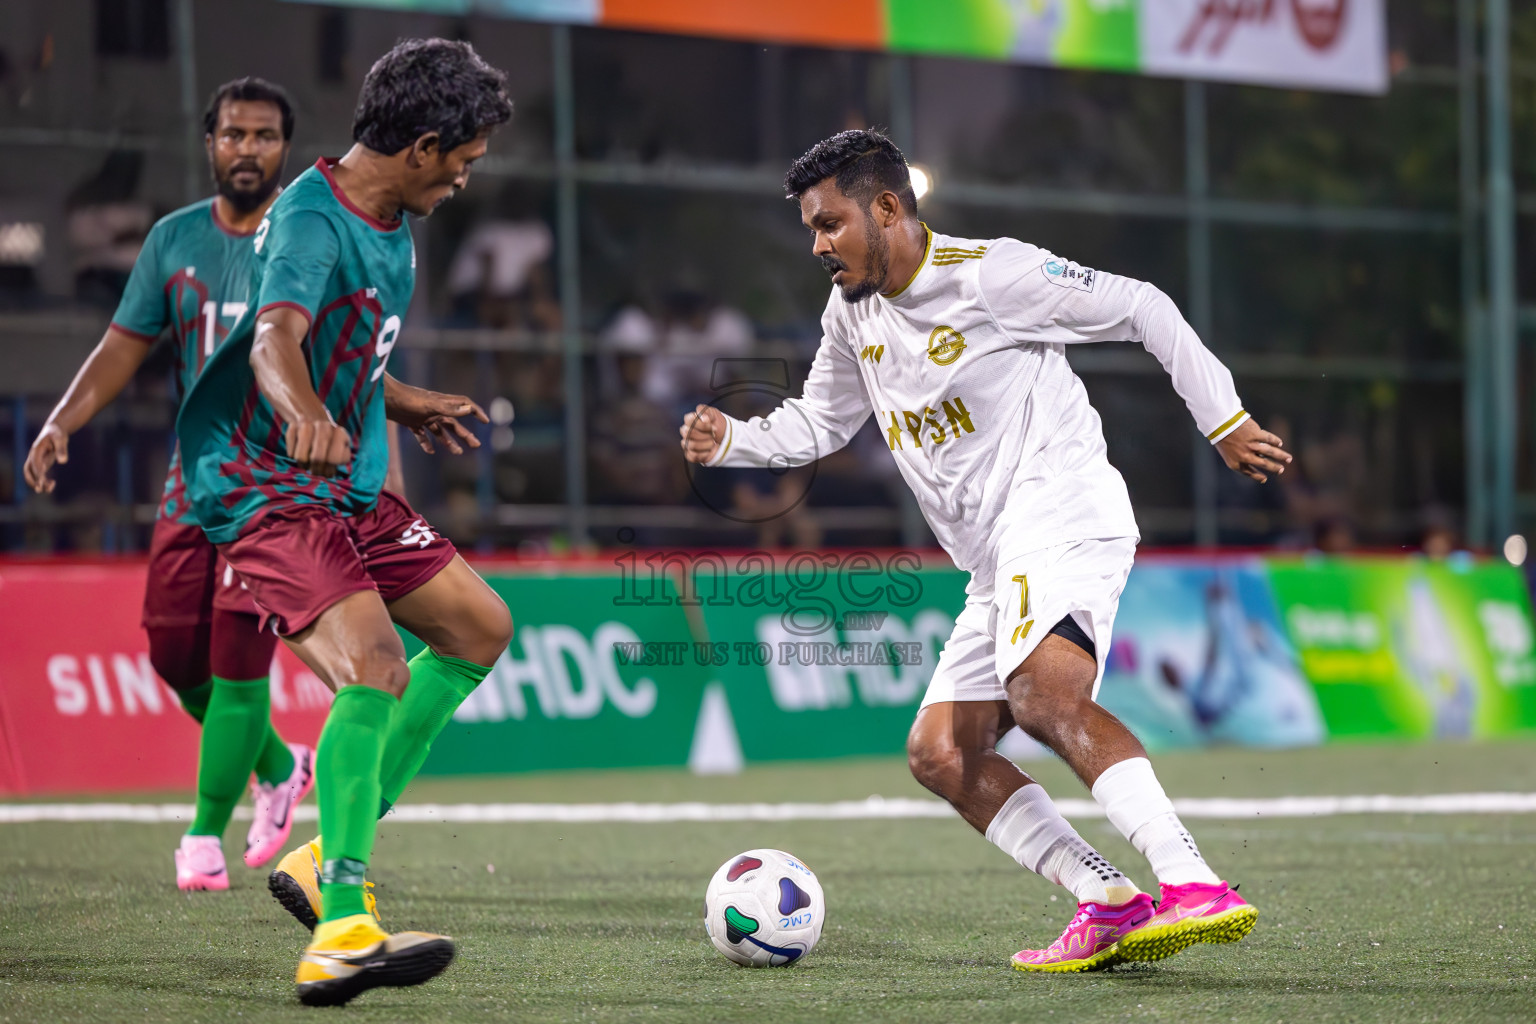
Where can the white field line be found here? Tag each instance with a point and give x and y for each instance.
(1228, 808)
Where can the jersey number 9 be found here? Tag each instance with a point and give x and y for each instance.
(388, 335)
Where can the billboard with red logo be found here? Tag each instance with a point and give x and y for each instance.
(1314, 44)
(81, 709)
(1326, 44)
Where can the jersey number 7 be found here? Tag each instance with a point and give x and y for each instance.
(1022, 629)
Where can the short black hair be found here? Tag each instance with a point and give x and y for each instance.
(429, 85)
(864, 161)
(251, 90)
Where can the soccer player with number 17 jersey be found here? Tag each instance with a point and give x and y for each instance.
(283, 442)
(191, 277)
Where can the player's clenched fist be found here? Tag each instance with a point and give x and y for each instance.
(702, 431)
(51, 446)
(318, 445)
(1254, 452)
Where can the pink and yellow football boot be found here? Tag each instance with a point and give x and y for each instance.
(1091, 941)
(1187, 914)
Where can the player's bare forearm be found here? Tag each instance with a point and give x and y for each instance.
(432, 414)
(102, 377)
(282, 373)
(1254, 452)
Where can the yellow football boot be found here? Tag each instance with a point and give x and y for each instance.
(353, 954)
(295, 883)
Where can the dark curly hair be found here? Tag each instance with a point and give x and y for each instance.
(429, 85)
(249, 90)
(865, 163)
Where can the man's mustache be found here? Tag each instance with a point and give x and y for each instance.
(831, 264)
(235, 169)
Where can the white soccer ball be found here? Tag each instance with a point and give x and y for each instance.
(764, 908)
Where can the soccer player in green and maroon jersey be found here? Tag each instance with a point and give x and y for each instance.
(191, 280)
(284, 454)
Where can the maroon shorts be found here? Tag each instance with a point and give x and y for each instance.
(300, 560)
(188, 579)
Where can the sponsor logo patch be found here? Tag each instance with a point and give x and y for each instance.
(1067, 274)
(418, 534)
(945, 345)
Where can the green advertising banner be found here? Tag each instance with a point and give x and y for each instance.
(1068, 33)
(694, 659)
(572, 690)
(830, 656)
(1409, 647)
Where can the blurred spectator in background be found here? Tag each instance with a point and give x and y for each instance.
(22, 245)
(107, 227)
(695, 331)
(634, 456)
(500, 275)
(630, 338)
(1334, 536)
(1329, 490)
(773, 501)
(1439, 539)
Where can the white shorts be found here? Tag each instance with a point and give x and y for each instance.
(1005, 619)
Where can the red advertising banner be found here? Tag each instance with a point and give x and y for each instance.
(82, 711)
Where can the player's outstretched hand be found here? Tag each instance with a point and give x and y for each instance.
(702, 431)
(1254, 452)
(51, 446)
(431, 414)
(318, 445)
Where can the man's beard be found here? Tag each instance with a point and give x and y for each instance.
(246, 200)
(877, 263)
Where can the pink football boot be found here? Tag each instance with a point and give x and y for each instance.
(1091, 940)
(274, 808)
(1187, 914)
(200, 864)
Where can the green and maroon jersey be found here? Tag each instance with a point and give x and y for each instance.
(352, 276)
(191, 277)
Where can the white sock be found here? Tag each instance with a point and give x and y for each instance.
(1032, 831)
(1136, 805)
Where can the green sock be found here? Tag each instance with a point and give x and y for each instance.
(275, 762)
(233, 725)
(347, 773)
(438, 686)
(195, 701)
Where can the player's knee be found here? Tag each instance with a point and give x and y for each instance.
(935, 761)
(497, 630)
(381, 667)
(485, 633)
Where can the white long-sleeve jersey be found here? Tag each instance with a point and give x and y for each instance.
(965, 369)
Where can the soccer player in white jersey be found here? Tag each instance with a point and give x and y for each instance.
(957, 347)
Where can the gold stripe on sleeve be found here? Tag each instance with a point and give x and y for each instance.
(1213, 435)
(730, 435)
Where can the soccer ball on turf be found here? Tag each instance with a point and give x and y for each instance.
(764, 908)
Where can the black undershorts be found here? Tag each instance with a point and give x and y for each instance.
(1068, 629)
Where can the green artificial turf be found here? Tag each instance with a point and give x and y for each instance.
(1364, 918)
